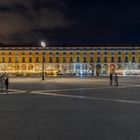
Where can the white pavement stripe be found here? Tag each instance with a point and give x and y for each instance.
(91, 98)
(12, 91)
(74, 89)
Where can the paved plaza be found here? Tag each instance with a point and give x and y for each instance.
(70, 108)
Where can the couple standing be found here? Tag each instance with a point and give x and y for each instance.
(4, 81)
(113, 77)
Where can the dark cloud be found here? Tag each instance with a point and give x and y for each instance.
(23, 17)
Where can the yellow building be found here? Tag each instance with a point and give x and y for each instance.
(70, 59)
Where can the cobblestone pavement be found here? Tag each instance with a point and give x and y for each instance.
(70, 109)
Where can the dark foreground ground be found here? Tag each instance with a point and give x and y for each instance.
(70, 109)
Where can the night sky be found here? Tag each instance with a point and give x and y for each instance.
(70, 21)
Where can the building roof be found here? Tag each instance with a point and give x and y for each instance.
(69, 45)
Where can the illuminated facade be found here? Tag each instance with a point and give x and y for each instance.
(70, 59)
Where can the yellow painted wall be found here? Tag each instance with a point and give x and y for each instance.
(130, 56)
(74, 56)
(102, 57)
(0, 57)
(95, 57)
(123, 56)
(116, 57)
(67, 57)
(54, 57)
(26, 57)
(47, 57)
(13, 55)
(61, 57)
(137, 57)
(6, 57)
(88, 57)
(108, 57)
(40, 56)
(19, 56)
(33, 56)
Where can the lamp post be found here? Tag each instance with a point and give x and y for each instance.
(43, 45)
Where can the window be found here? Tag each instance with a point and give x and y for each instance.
(30, 59)
(105, 59)
(71, 61)
(10, 60)
(51, 59)
(91, 59)
(23, 59)
(84, 59)
(78, 59)
(119, 53)
(98, 53)
(37, 53)
(64, 60)
(64, 53)
(133, 59)
(23, 53)
(133, 53)
(57, 59)
(77, 53)
(112, 59)
(119, 59)
(98, 59)
(37, 60)
(3, 59)
(16, 59)
(50, 53)
(126, 59)
(30, 53)
(57, 53)
(112, 53)
(105, 52)
(9, 53)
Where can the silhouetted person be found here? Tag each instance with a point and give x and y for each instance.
(6, 83)
(111, 79)
(116, 79)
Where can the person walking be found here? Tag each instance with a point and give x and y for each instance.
(111, 79)
(7, 83)
(116, 79)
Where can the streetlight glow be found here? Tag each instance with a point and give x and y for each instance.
(43, 45)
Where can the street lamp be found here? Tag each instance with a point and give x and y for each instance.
(43, 45)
